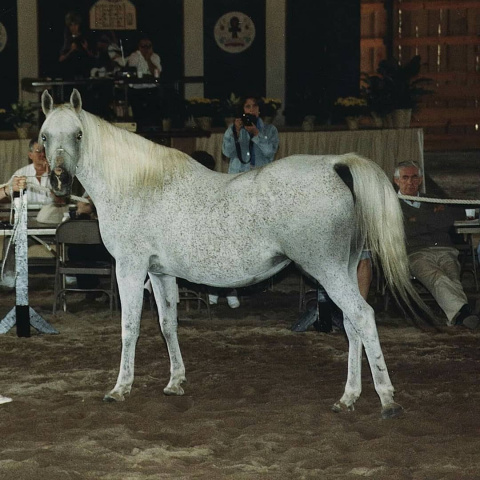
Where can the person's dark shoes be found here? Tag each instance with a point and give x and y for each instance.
(467, 318)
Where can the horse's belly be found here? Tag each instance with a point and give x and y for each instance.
(222, 272)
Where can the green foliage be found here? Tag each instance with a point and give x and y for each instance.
(230, 106)
(399, 85)
(270, 106)
(20, 113)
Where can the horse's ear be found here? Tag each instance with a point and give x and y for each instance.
(47, 102)
(76, 100)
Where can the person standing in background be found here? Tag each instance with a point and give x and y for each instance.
(76, 56)
(249, 143)
(146, 98)
(145, 60)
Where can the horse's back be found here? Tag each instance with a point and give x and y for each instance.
(302, 185)
(299, 203)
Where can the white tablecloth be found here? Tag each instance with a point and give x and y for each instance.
(385, 147)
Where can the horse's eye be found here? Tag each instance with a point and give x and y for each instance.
(79, 135)
(44, 138)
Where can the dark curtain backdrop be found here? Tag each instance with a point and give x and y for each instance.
(9, 55)
(322, 54)
(161, 20)
(240, 73)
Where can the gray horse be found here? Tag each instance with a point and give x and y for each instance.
(164, 214)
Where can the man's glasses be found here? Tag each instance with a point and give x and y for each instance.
(39, 151)
(146, 45)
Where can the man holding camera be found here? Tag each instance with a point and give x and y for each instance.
(249, 143)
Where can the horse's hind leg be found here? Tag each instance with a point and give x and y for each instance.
(165, 291)
(360, 328)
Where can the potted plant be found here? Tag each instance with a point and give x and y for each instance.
(269, 108)
(203, 110)
(403, 85)
(378, 98)
(229, 108)
(21, 116)
(351, 109)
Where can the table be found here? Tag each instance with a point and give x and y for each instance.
(35, 230)
(386, 147)
(469, 228)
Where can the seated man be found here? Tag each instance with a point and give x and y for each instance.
(432, 256)
(35, 174)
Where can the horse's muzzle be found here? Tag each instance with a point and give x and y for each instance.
(61, 182)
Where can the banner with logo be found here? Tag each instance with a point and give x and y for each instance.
(234, 47)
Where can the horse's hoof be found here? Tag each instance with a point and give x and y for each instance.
(341, 407)
(174, 390)
(113, 397)
(393, 410)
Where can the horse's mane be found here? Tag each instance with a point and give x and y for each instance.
(126, 160)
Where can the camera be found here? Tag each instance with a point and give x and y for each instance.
(248, 119)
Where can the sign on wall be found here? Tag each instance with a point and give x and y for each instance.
(234, 47)
(234, 32)
(113, 15)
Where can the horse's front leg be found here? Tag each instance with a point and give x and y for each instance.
(130, 287)
(166, 293)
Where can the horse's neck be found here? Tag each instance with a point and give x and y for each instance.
(95, 187)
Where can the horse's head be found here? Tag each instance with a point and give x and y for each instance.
(61, 135)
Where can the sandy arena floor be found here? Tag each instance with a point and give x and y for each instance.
(257, 401)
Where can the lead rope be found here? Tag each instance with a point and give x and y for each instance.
(439, 200)
(11, 241)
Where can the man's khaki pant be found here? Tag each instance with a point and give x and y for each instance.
(438, 269)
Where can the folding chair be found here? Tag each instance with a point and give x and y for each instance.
(81, 232)
(308, 291)
(188, 292)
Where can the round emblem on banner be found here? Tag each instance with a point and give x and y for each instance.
(234, 32)
(3, 36)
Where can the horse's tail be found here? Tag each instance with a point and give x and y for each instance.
(379, 219)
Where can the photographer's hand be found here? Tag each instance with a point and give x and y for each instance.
(252, 130)
(238, 125)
